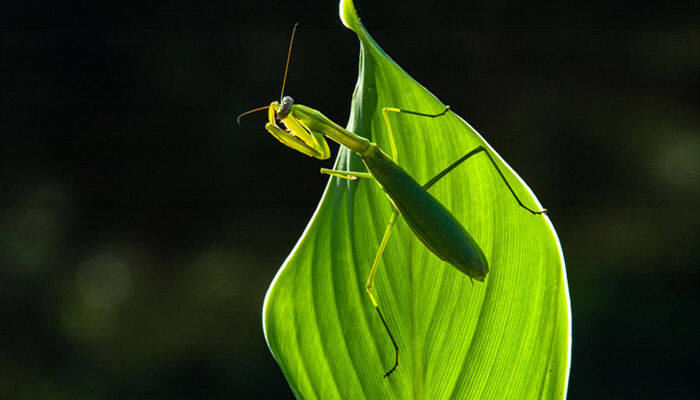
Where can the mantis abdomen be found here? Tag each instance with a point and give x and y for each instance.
(429, 220)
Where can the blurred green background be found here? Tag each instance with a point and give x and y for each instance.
(140, 227)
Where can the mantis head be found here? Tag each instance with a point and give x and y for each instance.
(285, 107)
(285, 122)
(289, 129)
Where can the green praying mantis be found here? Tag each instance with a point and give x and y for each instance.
(305, 129)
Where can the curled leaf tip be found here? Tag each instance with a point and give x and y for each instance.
(348, 15)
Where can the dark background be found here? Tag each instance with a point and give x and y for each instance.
(140, 227)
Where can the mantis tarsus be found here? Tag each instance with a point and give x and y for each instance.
(305, 129)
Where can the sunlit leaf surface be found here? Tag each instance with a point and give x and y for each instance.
(505, 338)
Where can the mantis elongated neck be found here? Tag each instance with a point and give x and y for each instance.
(354, 142)
(315, 121)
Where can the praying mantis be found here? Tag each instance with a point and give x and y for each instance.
(305, 130)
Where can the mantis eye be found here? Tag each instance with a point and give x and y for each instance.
(285, 107)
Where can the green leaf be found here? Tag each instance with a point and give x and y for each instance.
(505, 338)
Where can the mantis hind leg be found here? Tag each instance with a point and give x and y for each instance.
(389, 227)
(454, 165)
(394, 216)
(464, 158)
(354, 175)
(370, 284)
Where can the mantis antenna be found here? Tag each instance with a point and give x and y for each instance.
(284, 80)
(289, 55)
(250, 112)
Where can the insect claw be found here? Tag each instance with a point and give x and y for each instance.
(391, 370)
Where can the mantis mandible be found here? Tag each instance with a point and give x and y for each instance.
(304, 129)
